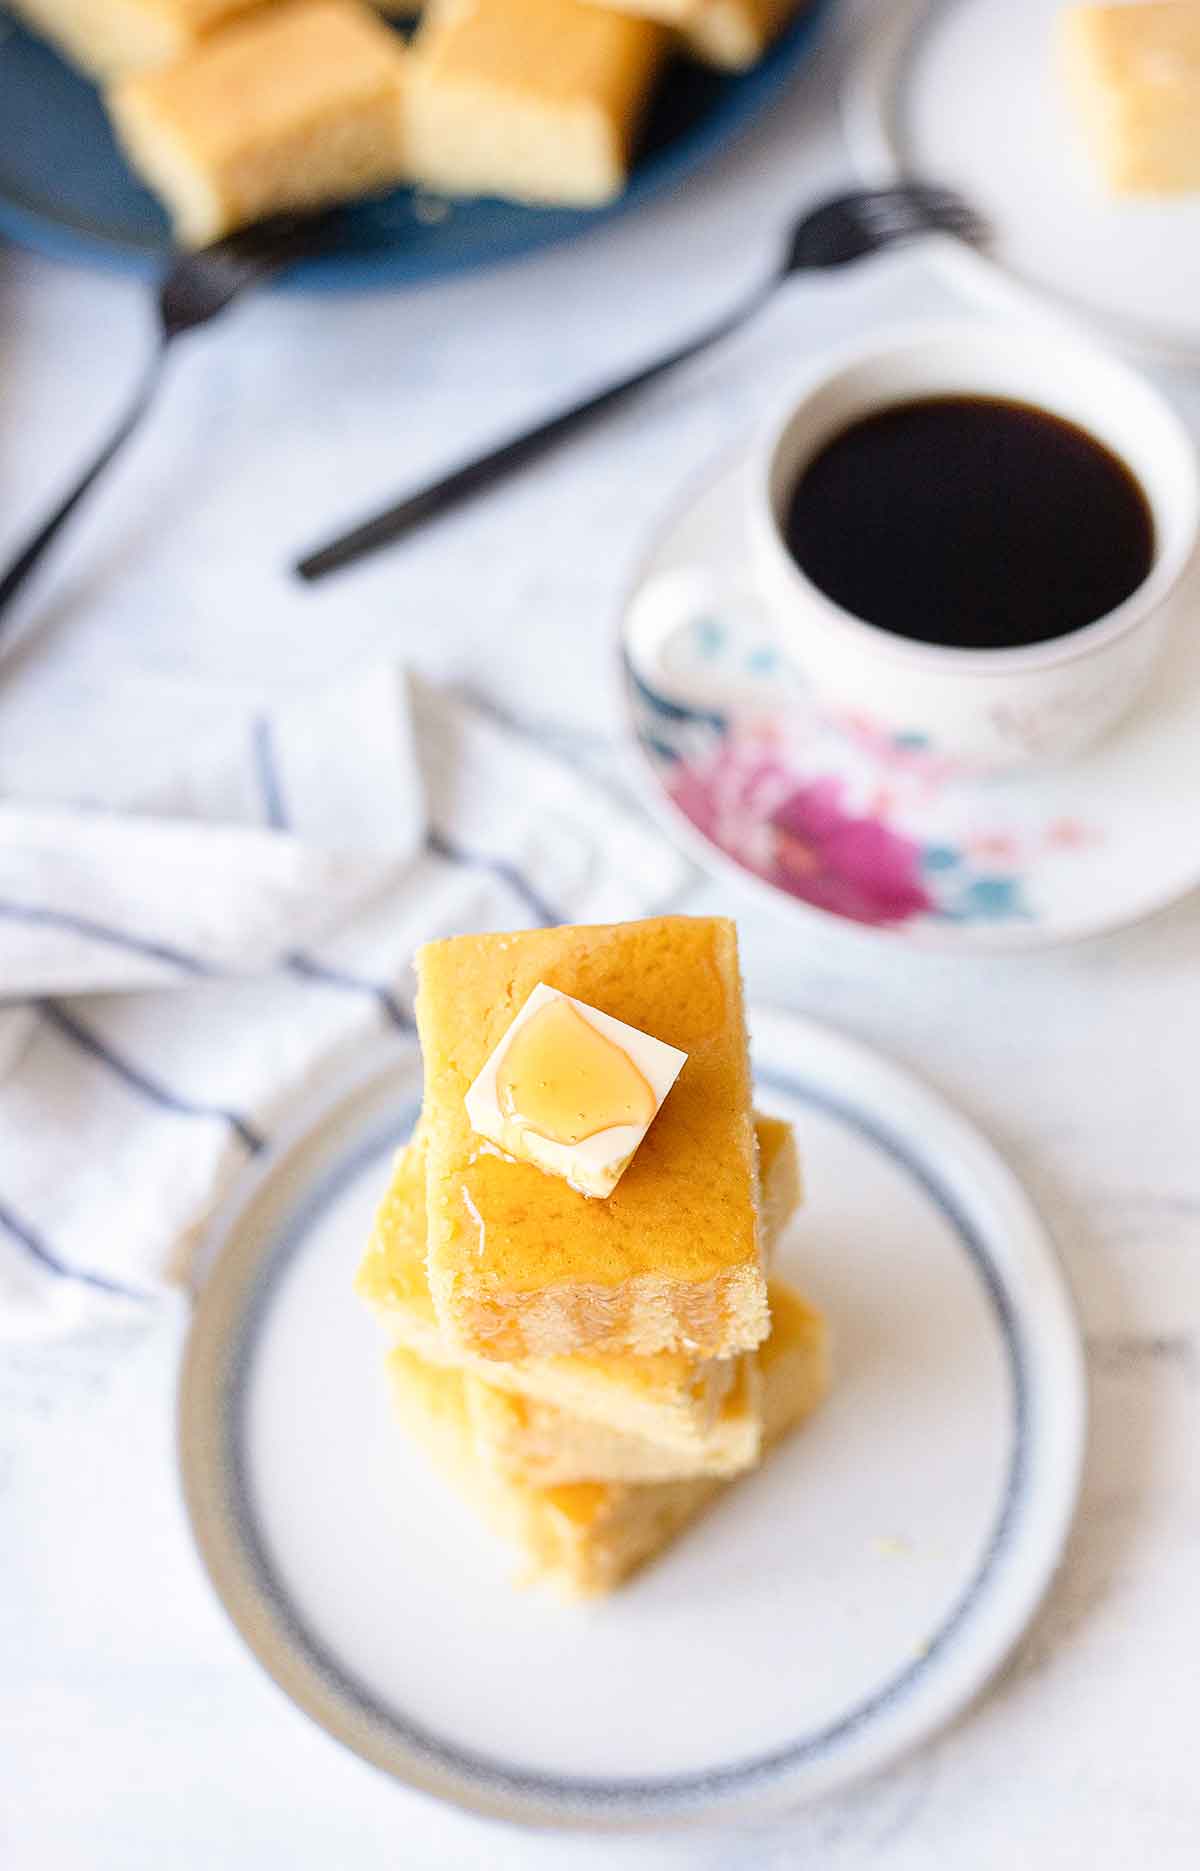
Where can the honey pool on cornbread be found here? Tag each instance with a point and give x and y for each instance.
(566, 1082)
(572, 1090)
(521, 1265)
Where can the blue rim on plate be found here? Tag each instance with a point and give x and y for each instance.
(270, 1231)
(632, 1794)
(65, 190)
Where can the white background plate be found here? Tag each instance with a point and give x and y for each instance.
(966, 92)
(830, 1612)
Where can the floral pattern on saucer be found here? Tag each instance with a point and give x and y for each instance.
(873, 829)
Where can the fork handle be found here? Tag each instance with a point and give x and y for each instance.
(30, 555)
(430, 502)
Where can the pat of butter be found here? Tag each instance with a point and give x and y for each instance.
(572, 1090)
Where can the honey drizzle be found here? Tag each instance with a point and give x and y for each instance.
(563, 1080)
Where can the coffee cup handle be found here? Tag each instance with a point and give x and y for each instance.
(707, 644)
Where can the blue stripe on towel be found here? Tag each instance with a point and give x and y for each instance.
(267, 768)
(45, 918)
(312, 970)
(508, 873)
(138, 1080)
(308, 967)
(37, 1249)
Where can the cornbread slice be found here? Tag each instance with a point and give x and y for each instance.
(539, 101)
(734, 34)
(582, 1540)
(1132, 75)
(674, 13)
(668, 1400)
(519, 1264)
(730, 34)
(780, 1181)
(108, 37)
(292, 107)
(543, 1446)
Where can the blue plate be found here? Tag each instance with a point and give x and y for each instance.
(65, 190)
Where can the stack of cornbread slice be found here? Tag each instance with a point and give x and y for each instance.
(232, 110)
(590, 1369)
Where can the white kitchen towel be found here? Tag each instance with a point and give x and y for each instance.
(177, 978)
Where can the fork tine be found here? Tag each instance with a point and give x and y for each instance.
(920, 205)
(965, 222)
(859, 222)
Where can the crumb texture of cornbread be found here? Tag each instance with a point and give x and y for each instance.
(795, 1364)
(519, 1264)
(583, 1539)
(539, 101)
(668, 1399)
(1132, 77)
(543, 1446)
(780, 1179)
(108, 37)
(292, 107)
(734, 34)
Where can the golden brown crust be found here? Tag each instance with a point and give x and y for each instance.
(520, 1264)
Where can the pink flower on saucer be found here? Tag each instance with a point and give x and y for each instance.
(798, 836)
(854, 867)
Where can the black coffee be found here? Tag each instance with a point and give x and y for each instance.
(971, 521)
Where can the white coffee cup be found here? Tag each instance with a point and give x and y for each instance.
(979, 709)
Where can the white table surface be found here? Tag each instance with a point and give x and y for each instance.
(135, 1735)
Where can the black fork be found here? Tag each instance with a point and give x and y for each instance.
(196, 287)
(838, 231)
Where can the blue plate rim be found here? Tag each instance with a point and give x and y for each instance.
(632, 1792)
(751, 94)
(240, 1566)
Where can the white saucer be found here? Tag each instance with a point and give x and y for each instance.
(830, 1612)
(966, 92)
(871, 832)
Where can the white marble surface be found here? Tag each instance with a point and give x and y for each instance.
(134, 1733)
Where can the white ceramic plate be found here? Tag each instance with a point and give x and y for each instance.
(966, 92)
(829, 1612)
(871, 833)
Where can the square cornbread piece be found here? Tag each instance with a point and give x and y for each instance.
(671, 1401)
(538, 100)
(520, 1265)
(293, 107)
(1132, 74)
(544, 1446)
(674, 13)
(734, 34)
(108, 37)
(730, 34)
(583, 1540)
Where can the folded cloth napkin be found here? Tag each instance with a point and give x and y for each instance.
(176, 978)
